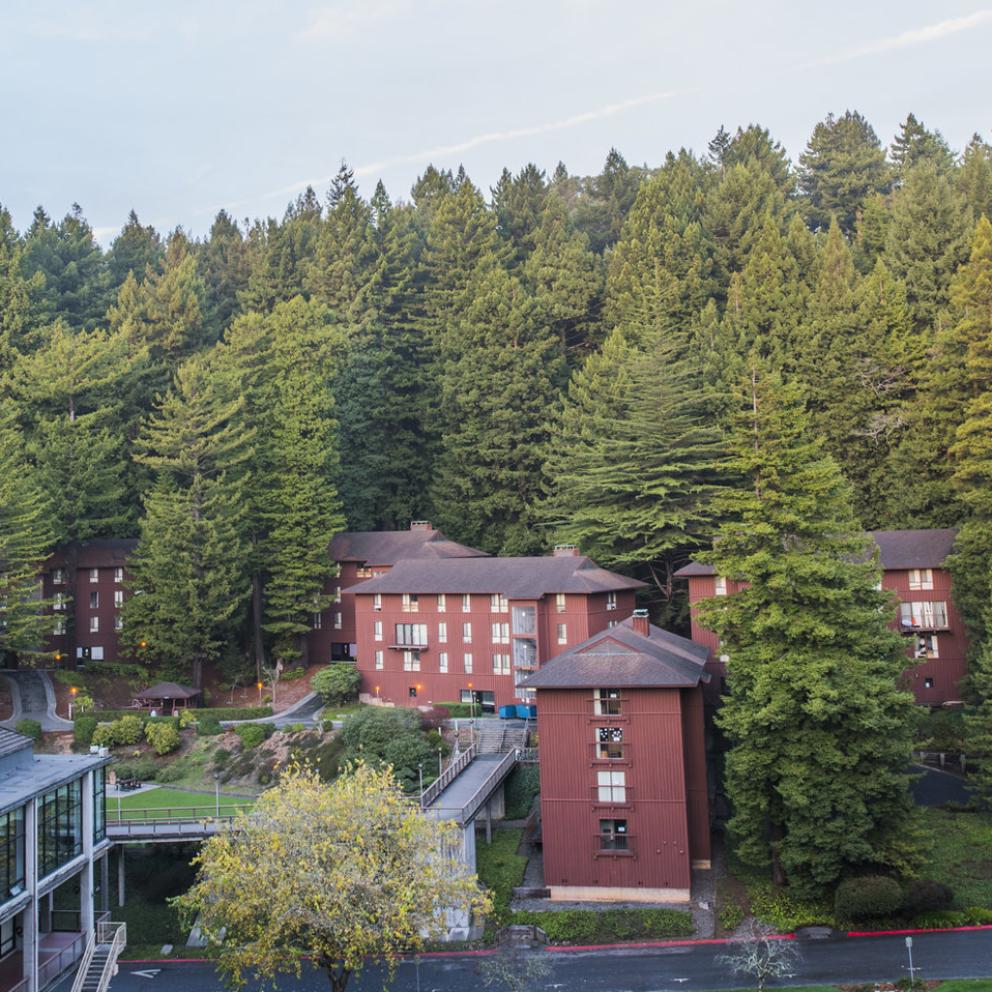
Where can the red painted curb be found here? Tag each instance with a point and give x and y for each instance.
(655, 943)
(164, 961)
(899, 933)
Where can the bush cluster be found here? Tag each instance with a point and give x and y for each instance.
(522, 786)
(293, 675)
(208, 726)
(589, 926)
(163, 737)
(925, 895)
(337, 684)
(128, 729)
(251, 734)
(384, 736)
(217, 712)
(458, 710)
(172, 772)
(82, 730)
(142, 769)
(869, 897)
(29, 728)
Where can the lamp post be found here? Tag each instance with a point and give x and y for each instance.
(471, 700)
(217, 794)
(259, 693)
(440, 763)
(420, 768)
(72, 698)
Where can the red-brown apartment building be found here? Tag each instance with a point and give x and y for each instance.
(367, 554)
(95, 593)
(914, 568)
(471, 628)
(624, 808)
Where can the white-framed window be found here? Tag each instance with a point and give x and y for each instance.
(467, 632)
(562, 633)
(720, 586)
(611, 787)
(928, 683)
(921, 578)
(96, 652)
(317, 621)
(501, 664)
(442, 633)
(118, 598)
(501, 633)
(606, 702)
(118, 622)
(612, 623)
(923, 615)
(442, 661)
(337, 620)
(442, 602)
(467, 661)
(926, 646)
(94, 575)
(58, 576)
(379, 659)
(414, 634)
(377, 629)
(94, 625)
(337, 594)
(498, 603)
(466, 603)
(411, 602)
(411, 661)
(118, 575)
(363, 572)
(613, 835)
(94, 601)
(611, 600)
(59, 601)
(560, 602)
(609, 743)
(59, 627)
(377, 601)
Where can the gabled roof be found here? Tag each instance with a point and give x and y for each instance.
(386, 547)
(620, 658)
(11, 742)
(168, 690)
(515, 578)
(898, 550)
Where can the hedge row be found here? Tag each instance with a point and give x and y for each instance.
(590, 926)
(217, 712)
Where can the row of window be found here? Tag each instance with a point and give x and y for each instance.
(923, 615)
(501, 662)
(318, 621)
(498, 603)
(60, 601)
(58, 576)
(94, 625)
(415, 634)
(919, 578)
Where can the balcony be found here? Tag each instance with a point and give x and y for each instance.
(57, 953)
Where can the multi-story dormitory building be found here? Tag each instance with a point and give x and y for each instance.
(914, 568)
(53, 861)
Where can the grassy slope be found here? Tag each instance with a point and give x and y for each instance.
(962, 855)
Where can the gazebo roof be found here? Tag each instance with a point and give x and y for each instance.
(168, 690)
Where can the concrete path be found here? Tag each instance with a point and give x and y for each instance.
(33, 696)
(466, 786)
(306, 711)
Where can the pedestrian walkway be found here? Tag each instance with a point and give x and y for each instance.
(33, 698)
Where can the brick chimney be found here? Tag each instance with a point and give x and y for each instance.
(639, 621)
(421, 525)
(567, 551)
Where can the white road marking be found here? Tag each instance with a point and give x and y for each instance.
(147, 973)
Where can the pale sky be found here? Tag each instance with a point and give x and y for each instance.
(179, 108)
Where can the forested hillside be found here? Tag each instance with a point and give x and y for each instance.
(555, 360)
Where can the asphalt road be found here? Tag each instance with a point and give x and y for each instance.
(660, 969)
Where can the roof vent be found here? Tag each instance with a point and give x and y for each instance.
(566, 551)
(639, 621)
(421, 525)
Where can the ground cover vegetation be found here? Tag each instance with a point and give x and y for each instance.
(561, 359)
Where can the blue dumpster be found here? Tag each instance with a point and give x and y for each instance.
(523, 712)
(507, 712)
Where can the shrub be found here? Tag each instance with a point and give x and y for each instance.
(927, 895)
(433, 719)
(337, 683)
(867, 897)
(127, 730)
(187, 718)
(208, 726)
(82, 730)
(388, 737)
(731, 916)
(220, 756)
(29, 728)
(163, 737)
(523, 784)
(585, 926)
(171, 773)
(218, 713)
(142, 769)
(83, 703)
(293, 675)
(459, 710)
(251, 734)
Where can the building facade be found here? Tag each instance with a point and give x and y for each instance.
(624, 800)
(914, 568)
(86, 585)
(53, 861)
(471, 629)
(362, 555)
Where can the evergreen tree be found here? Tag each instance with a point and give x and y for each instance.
(978, 721)
(974, 177)
(821, 734)
(843, 165)
(188, 572)
(518, 202)
(136, 249)
(872, 231)
(223, 263)
(607, 199)
(501, 372)
(754, 145)
(915, 144)
(19, 296)
(25, 543)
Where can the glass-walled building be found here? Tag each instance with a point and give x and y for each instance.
(52, 844)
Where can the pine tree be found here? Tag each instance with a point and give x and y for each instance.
(974, 177)
(25, 543)
(188, 572)
(607, 199)
(223, 262)
(754, 145)
(915, 144)
(18, 294)
(820, 732)
(501, 373)
(842, 166)
(136, 249)
(978, 721)
(518, 202)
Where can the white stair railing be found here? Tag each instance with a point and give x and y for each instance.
(112, 936)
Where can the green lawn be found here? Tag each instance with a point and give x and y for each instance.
(962, 855)
(136, 806)
(500, 869)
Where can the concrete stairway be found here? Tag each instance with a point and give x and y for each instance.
(500, 736)
(99, 964)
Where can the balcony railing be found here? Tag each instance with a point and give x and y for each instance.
(54, 966)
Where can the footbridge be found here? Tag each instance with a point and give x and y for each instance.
(171, 824)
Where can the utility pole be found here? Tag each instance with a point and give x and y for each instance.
(912, 970)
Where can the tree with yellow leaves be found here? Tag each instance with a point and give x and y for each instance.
(344, 874)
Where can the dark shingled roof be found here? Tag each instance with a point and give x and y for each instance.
(515, 578)
(622, 658)
(100, 552)
(898, 549)
(11, 742)
(168, 690)
(387, 547)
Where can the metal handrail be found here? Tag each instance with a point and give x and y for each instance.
(131, 828)
(157, 813)
(117, 944)
(454, 769)
(485, 787)
(84, 965)
(21, 986)
(49, 970)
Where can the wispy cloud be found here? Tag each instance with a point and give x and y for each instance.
(345, 20)
(910, 39)
(441, 152)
